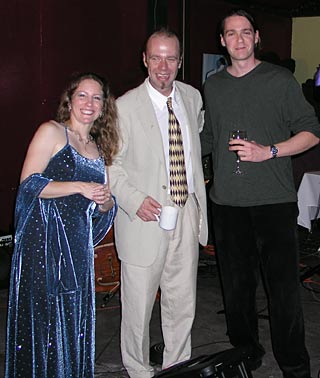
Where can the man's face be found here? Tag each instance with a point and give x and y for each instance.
(163, 61)
(239, 38)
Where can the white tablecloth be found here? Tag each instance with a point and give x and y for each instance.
(309, 199)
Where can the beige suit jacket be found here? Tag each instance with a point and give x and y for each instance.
(139, 171)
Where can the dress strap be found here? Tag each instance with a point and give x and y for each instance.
(67, 134)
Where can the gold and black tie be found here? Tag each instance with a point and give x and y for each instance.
(177, 167)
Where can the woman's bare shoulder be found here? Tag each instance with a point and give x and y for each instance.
(51, 127)
(51, 135)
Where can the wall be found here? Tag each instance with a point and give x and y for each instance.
(19, 94)
(306, 46)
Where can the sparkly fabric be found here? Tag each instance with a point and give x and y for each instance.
(51, 314)
(177, 168)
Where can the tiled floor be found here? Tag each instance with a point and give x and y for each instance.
(209, 331)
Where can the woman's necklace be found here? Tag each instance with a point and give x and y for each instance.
(87, 140)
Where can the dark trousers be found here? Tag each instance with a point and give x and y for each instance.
(250, 240)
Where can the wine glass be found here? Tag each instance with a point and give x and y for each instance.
(238, 134)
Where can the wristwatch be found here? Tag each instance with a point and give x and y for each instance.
(274, 151)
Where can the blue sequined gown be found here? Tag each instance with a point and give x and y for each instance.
(51, 312)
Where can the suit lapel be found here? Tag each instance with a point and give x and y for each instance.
(149, 123)
(189, 113)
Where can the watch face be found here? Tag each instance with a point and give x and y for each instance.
(274, 151)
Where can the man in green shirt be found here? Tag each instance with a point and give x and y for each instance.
(255, 212)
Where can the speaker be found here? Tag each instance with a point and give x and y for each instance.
(156, 353)
(5, 265)
(225, 364)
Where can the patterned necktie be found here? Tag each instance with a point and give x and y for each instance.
(177, 168)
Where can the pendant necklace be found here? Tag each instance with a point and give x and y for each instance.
(87, 140)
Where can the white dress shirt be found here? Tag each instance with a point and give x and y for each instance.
(160, 107)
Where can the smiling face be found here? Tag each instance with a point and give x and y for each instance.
(162, 59)
(86, 102)
(239, 38)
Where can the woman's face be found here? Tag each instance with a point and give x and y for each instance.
(87, 102)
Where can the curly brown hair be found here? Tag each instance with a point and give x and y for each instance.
(105, 130)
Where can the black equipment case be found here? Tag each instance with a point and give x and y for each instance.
(225, 364)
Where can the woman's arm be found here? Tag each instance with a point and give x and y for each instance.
(46, 142)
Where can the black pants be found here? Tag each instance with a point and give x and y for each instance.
(250, 238)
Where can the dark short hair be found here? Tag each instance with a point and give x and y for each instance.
(163, 31)
(249, 17)
(242, 13)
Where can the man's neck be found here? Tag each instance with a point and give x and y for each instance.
(242, 67)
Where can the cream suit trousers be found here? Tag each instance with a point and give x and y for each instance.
(175, 271)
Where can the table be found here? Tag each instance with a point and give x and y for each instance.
(309, 199)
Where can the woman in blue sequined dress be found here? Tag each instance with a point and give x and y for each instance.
(64, 207)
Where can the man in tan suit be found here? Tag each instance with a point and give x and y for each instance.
(150, 256)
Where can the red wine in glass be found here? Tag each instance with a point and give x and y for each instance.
(238, 134)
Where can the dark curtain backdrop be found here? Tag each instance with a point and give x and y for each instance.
(45, 41)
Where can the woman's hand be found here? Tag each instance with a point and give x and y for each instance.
(99, 193)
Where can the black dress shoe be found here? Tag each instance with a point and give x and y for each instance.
(253, 363)
(253, 357)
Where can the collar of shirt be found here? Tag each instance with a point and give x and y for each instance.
(159, 99)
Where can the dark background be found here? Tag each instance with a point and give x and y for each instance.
(44, 41)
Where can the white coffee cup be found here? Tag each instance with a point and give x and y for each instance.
(168, 217)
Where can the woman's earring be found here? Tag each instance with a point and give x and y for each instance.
(69, 107)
